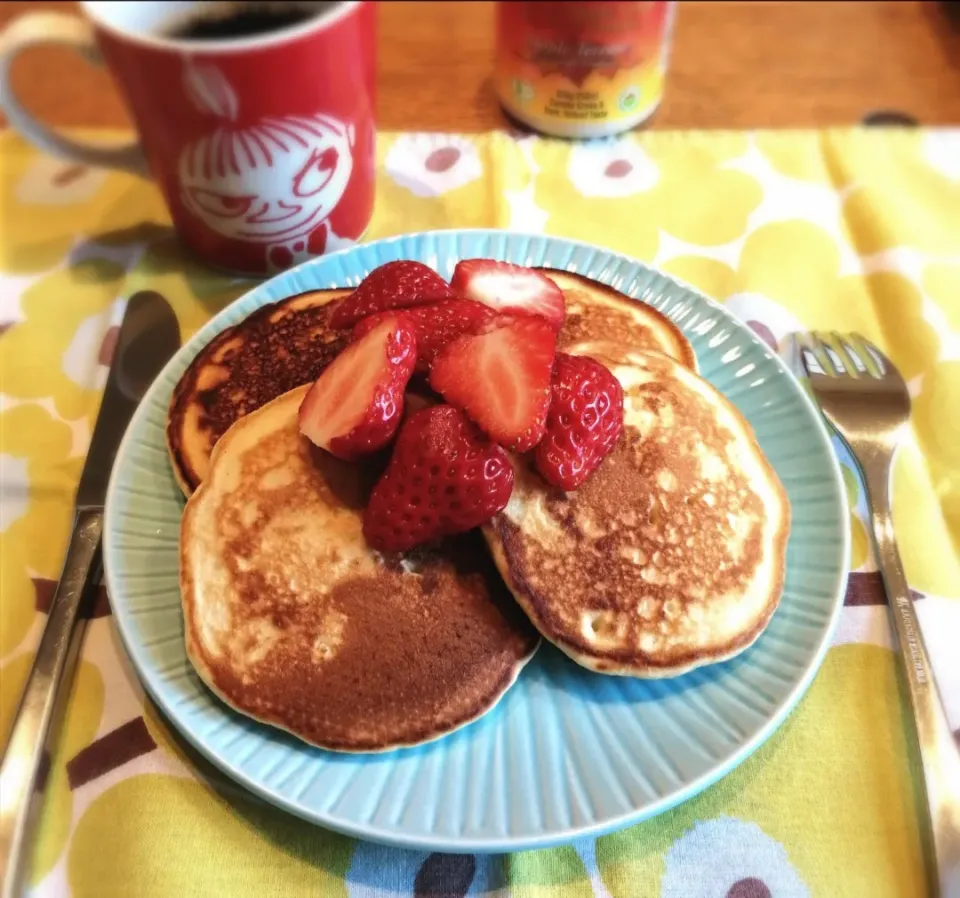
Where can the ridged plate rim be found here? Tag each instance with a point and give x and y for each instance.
(535, 249)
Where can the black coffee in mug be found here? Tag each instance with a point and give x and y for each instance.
(226, 21)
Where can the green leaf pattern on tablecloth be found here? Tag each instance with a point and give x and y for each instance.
(839, 229)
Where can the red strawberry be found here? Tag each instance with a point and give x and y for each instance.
(510, 288)
(394, 285)
(435, 325)
(355, 406)
(501, 378)
(444, 477)
(584, 422)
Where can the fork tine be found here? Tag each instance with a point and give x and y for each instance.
(821, 348)
(848, 357)
(872, 354)
(840, 359)
(860, 349)
(806, 353)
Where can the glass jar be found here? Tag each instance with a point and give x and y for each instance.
(582, 68)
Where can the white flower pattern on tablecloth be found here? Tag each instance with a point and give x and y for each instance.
(611, 169)
(787, 199)
(942, 150)
(940, 622)
(14, 483)
(53, 182)
(729, 858)
(86, 368)
(12, 287)
(525, 213)
(768, 319)
(433, 164)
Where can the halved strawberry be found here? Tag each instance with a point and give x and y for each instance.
(444, 477)
(584, 423)
(435, 325)
(355, 406)
(501, 378)
(510, 288)
(394, 285)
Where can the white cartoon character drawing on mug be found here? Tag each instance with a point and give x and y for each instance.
(274, 183)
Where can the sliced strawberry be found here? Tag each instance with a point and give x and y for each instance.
(510, 288)
(356, 405)
(444, 477)
(584, 423)
(394, 285)
(435, 325)
(501, 378)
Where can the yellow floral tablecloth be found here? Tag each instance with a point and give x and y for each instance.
(854, 230)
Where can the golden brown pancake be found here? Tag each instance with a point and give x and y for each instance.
(294, 621)
(602, 322)
(671, 555)
(279, 347)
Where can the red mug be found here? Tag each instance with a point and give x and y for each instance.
(263, 146)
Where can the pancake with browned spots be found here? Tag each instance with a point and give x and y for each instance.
(293, 620)
(603, 322)
(672, 554)
(279, 347)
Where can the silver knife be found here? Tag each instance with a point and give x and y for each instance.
(149, 336)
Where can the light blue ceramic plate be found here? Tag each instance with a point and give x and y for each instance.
(567, 752)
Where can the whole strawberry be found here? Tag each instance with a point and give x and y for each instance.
(355, 406)
(584, 422)
(444, 477)
(435, 325)
(394, 285)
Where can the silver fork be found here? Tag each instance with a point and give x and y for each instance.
(864, 397)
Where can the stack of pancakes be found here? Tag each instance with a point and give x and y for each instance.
(670, 556)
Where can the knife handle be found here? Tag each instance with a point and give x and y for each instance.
(23, 772)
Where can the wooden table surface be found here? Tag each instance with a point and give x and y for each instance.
(734, 65)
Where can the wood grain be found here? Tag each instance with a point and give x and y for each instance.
(734, 65)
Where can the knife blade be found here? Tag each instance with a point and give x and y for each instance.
(149, 335)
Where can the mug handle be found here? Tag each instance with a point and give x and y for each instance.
(56, 28)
